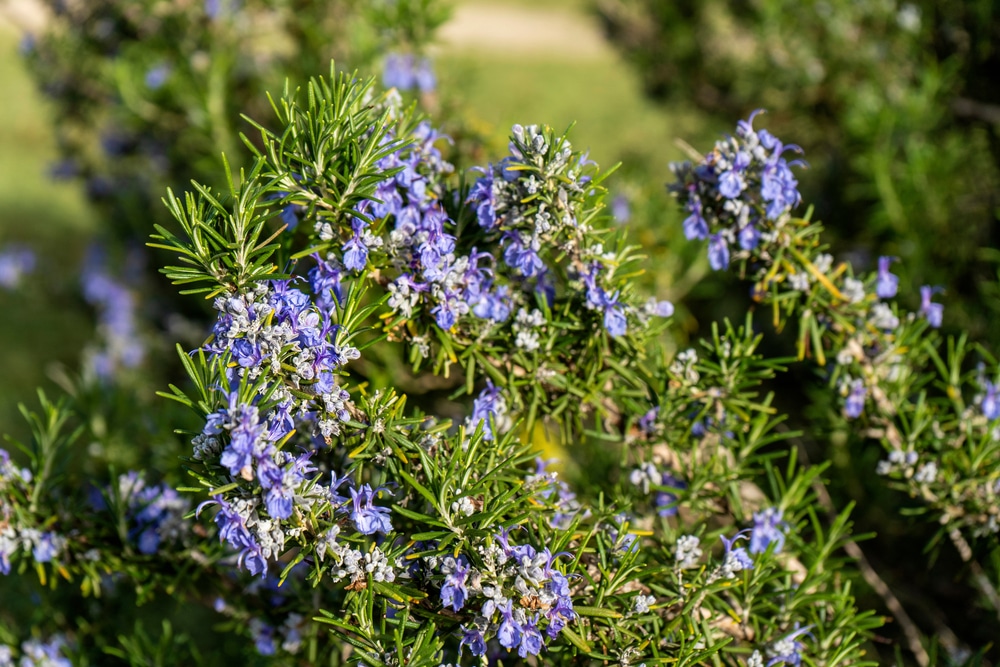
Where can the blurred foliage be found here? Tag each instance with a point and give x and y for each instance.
(894, 104)
(149, 95)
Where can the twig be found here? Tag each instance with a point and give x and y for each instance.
(895, 607)
(878, 585)
(978, 574)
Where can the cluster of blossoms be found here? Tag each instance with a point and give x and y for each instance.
(117, 321)
(769, 527)
(529, 201)
(267, 639)
(155, 513)
(284, 356)
(743, 193)
(739, 194)
(37, 653)
(260, 538)
(43, 545)
(279, 631)
(734, 558)
(556, 494)
(15, 263)
(489, 410)
(432, 275)
(405, 71)
(522, 600)
(282, 343)
(649, 479)
(883, 320)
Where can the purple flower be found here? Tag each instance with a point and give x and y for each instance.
(620, 209)
(423, 75)
(748, 237)
(473, 638)
(730, 184)
(509, 632)
(233, 529)
(695, 227)
(531, 639)
(778, 185)
(788, 649)
(614, 319)
(406, 72)
(855, 403)
(369, 518)
(735, 559)
(157, 76)
(397, 72)
(663, 308)
(448, 310)
(744, 128)
(768, 527)
(46, 547)
(37, 652)
(355, 251)
(666, 501)
(488, 405)
(116, 307)
(494, 305)
(934, 312)
(718, 252)
(454, 592)
(15, 262)
(647, 422)
(522, 255)
(886, 283)
(263, 637)
(246, 432)
(154, 512)
(481, 197)
(991, 402)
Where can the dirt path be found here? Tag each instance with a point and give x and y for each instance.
(550, 32)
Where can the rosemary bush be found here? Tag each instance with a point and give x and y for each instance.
(352, 468)
(889, 98)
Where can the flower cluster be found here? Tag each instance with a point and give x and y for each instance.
(648, 478)
(15, 263)
(489, 410)
(155, 513)
(522, 599)
(555, 493)
(743, 193)
(282, 345)
(734, 559)
(531, 200)
(740, 193)
(43, 545)
(270, 626)
(37, 653)
(117, 318)
(406, 71)
(432, 274)
(768, 528)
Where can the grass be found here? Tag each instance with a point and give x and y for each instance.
(45, 322)
(612, 118)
